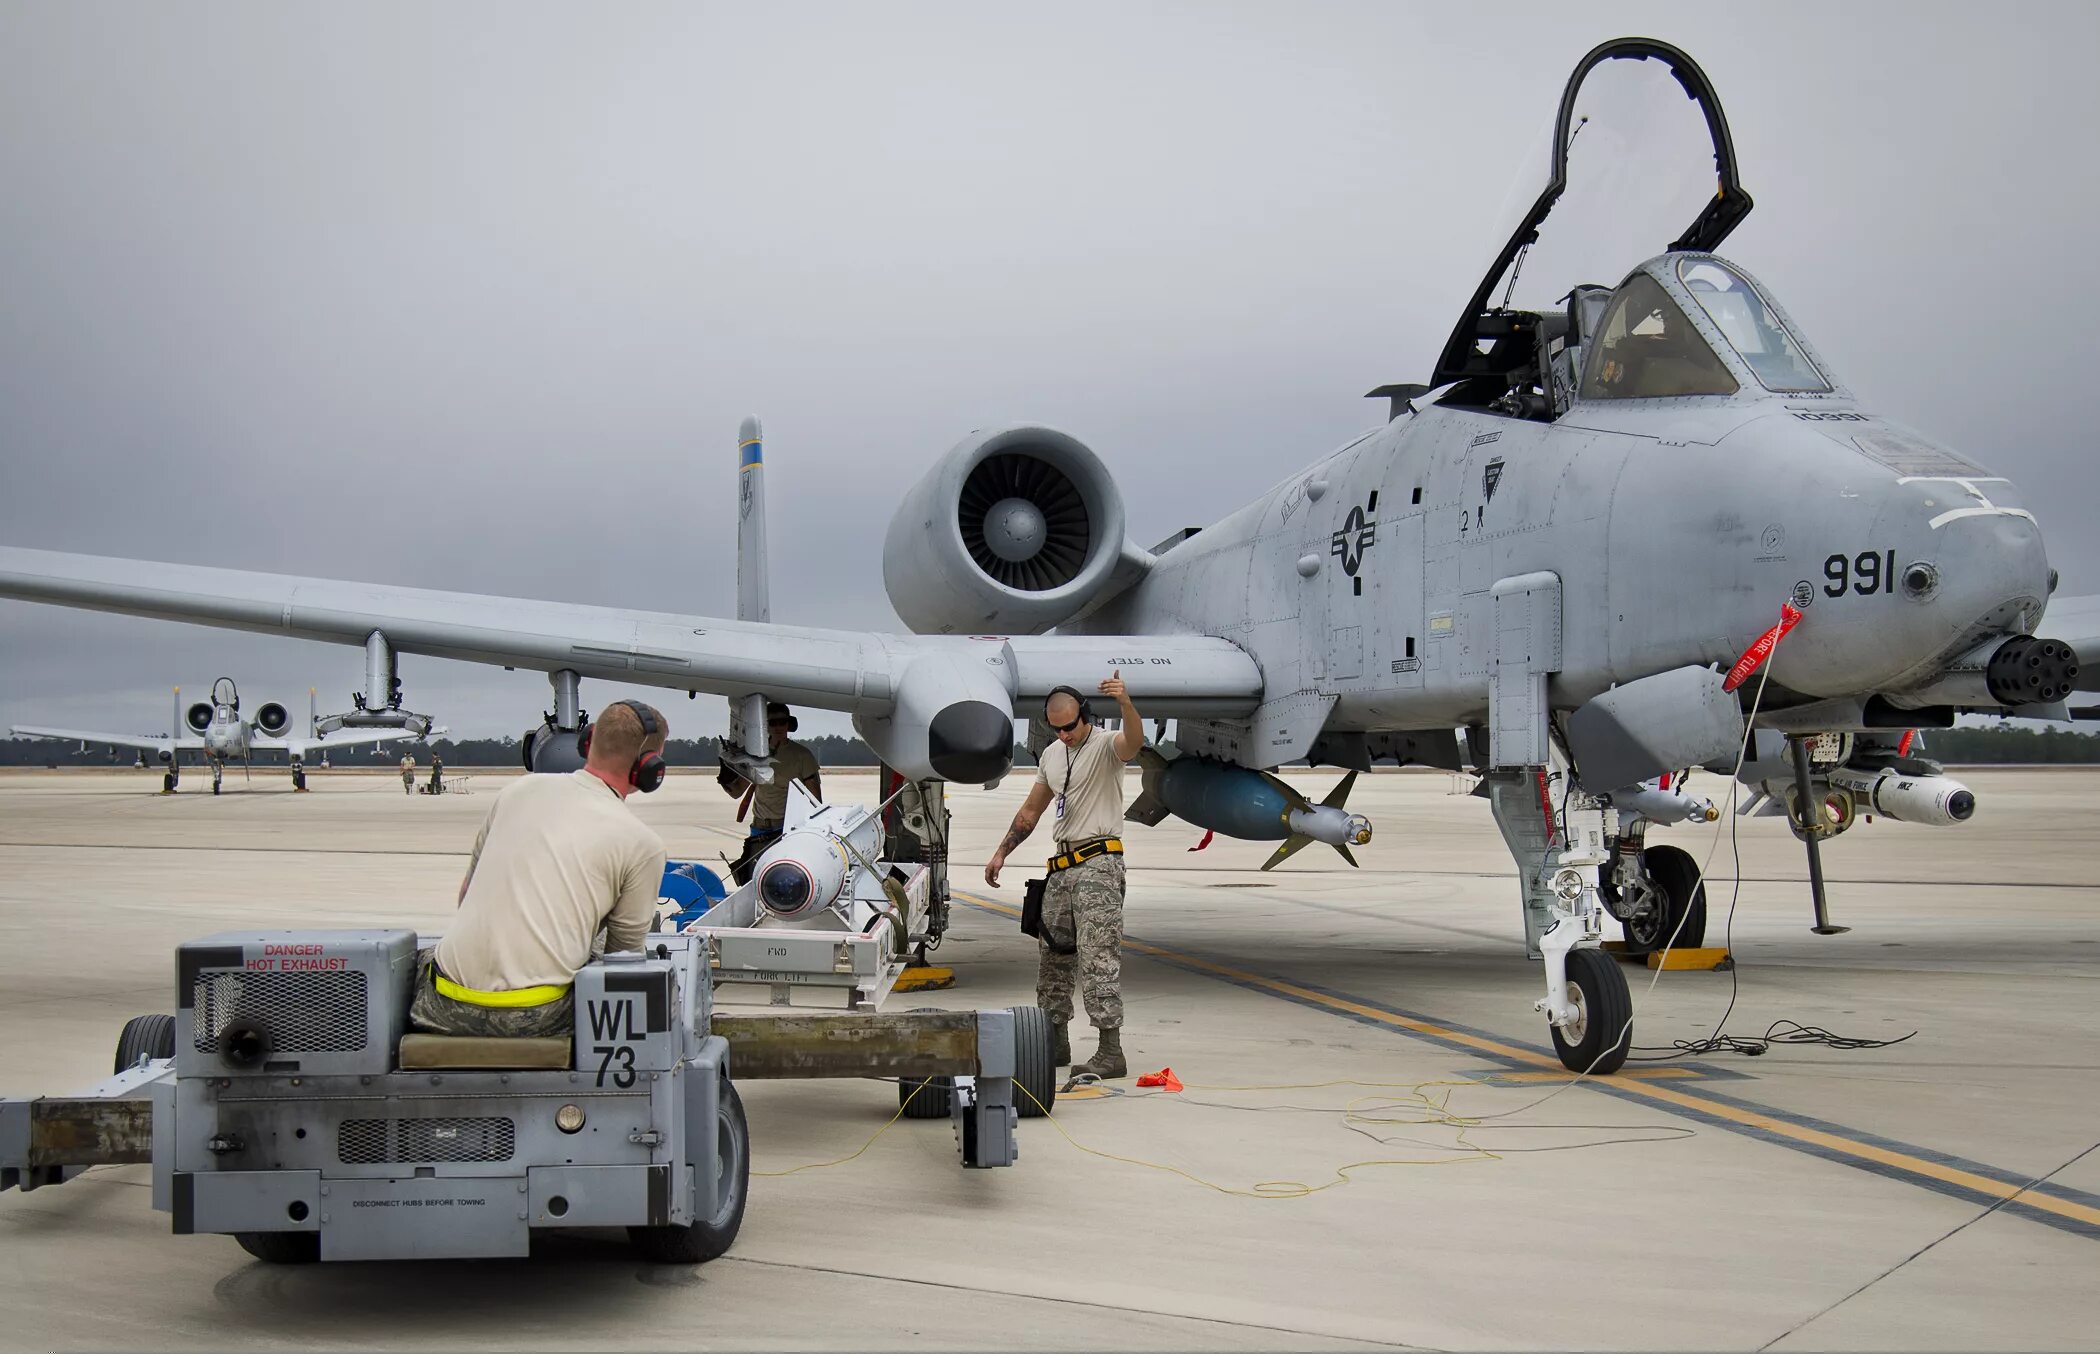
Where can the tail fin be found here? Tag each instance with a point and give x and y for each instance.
(1150, 806)
(313, 711)
(1295, 843)
(175, 720)
(1339, 795)
(754, 599)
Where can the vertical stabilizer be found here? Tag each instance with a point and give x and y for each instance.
(313, 711)
(754, 600)
(175, 720)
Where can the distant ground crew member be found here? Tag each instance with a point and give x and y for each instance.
(437, 774)
(408, 773)
(1082, 940)
(559, 856)
(767, 804)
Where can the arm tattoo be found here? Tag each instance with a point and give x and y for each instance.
(1024, 824)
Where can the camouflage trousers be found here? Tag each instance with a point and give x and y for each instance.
(1084, 904)
(432, 1012)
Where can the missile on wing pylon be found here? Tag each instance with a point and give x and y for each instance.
(1935, 801)
(1252, 805)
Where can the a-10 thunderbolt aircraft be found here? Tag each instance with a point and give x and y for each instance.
(218, 732)
(1609, 492)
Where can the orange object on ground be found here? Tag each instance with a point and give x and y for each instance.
(1163, 1077)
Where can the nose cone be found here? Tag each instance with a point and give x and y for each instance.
(1920, 569)
(971, 742)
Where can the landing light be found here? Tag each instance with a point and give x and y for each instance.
(569, 1118)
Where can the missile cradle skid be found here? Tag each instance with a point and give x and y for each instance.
(846, 957)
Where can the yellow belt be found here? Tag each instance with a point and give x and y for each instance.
(520, 996)
(1112, 846)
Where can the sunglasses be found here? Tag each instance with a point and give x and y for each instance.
(1067, 728)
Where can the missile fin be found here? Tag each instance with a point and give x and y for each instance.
(1150, 806)
(1346, 855)
(1297, 800)
(1339, 795)
(1292, 846)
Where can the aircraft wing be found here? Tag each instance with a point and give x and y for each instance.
(299, 747)
(906, 692)
(122, 740)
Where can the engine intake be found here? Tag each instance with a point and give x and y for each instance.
(273, 719)
(199, 716)
(1013, 531)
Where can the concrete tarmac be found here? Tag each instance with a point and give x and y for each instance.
(1375, 1146)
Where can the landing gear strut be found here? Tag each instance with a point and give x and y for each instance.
(298, 776)
(218, 773)
(1587, 1005)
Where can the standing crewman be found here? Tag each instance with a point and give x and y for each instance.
(1082, 940)
(408, 773)
(767, 804)
(559, 857)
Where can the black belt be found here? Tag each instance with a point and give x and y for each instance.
(1111, 846)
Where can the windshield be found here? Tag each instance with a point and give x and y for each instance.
(1750, 326)
(1647, 349)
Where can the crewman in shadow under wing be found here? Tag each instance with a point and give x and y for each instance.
(767, 804)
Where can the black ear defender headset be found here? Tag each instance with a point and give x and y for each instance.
(648, 772)
(1086, 711)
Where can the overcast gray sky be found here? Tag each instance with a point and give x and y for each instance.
(472, 296)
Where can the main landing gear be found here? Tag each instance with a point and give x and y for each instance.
(298, 775)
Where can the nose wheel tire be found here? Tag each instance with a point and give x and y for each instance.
(1680, 896)
(1597, 1039)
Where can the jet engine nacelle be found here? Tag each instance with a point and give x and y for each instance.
(1014, 531)
(273, 719)
(199, 716)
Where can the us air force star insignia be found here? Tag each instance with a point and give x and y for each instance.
(1356, 536)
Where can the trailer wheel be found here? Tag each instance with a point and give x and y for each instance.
(281, 1248)
(1035, 1075)
(926, 1097)
(146, 1036)
(703, 1241)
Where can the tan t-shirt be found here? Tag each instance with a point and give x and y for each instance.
(1092, 804)
(770, 805)
(559, 857)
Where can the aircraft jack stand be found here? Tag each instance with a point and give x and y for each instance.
(1812, 837)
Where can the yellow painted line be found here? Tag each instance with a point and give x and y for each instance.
(1748, 1118)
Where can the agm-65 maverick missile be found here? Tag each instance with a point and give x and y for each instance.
(1934, 800)
(808, 868)
(1245, 803)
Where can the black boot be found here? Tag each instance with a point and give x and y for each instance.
(1107, 1062)
(1060, 1043)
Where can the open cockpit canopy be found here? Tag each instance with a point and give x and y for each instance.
(1639, 161)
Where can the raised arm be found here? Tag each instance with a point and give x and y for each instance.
(1130, 739)
(1024, 823)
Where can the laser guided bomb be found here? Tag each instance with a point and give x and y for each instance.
(1240, 802)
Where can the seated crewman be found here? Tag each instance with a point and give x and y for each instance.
(558, 857)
